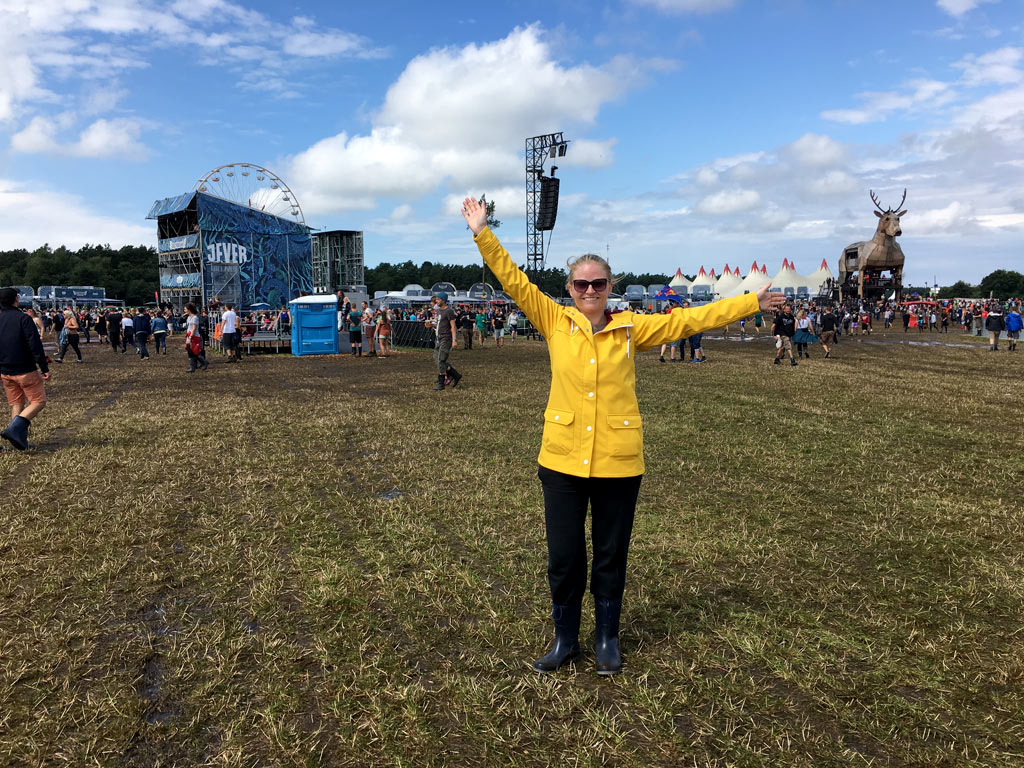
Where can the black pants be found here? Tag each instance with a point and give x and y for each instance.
(72, 341)
(612, 503)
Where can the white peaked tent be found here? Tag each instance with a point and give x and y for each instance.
(792, 283)
(704, 283)
(751, 283)
(679, 281)
(727, 282)
(819, 277)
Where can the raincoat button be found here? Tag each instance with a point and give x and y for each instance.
(591, 394)
(589, 428)
(585, 461)
(592, 361)
(626, 422)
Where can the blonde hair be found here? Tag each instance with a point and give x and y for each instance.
(589, 258)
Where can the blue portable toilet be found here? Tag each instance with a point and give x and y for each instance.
(314, 325)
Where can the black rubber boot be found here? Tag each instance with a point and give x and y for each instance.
(455, 376)
(16, 433)
(567, 639)
(440, 382)
(606, 636)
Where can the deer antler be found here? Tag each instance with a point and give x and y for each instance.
(901, 201)
(875, 201)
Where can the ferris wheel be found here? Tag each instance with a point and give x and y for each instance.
(253, 186)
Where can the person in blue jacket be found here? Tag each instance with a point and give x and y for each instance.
(1013, 327)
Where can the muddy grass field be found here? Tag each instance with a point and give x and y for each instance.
(321, 561)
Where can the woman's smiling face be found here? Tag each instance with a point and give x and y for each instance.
(590, 301)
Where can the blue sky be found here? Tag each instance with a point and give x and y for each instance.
(703, 132)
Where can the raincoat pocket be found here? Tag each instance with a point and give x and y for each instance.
(627, 437)
(558, 431)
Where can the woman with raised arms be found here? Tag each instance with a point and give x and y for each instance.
(592, 447)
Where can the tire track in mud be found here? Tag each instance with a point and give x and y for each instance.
(62, 437)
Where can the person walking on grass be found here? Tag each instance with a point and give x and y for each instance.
(783, 330)
(69, 337)
(159, 333)
(480, 321)
(804, 334)
(592, 447)
(994, 325)
(468, 321)
(829, 322)
(444, 327)
(369, 329)
(143, 327)
(194, 340)
(355, 331)
(384, 331)
(498, 327)
(229, 333)
(513, 324)
(23, 369)
(114, 329)
(127, 332)
(1013, 327)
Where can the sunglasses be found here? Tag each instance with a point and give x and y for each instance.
(580, 286)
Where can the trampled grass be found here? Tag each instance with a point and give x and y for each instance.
(321, 561)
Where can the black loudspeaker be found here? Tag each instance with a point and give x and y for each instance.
(548, 209)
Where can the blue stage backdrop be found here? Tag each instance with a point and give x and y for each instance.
(246, 256)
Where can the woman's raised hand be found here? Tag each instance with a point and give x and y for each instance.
(475, 215)
(769, 301)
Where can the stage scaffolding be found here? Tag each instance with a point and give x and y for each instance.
(337, 260)
(538, 148)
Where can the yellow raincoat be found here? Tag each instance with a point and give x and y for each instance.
(592, 424)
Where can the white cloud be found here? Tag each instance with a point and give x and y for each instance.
(955, 217)
(916, 95)
(442, 123)
(833, 184)
(729, 201)
(815, 151)
(118, 137)
(677, 7)
(27, 220)
(959, 7)
(1001, 112)
(304, 39)
(54, 40)
(995, 67)
(18, 76)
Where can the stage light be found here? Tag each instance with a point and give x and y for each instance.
(552, 151)
(561, 150)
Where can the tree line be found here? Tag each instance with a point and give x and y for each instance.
(1001, 284)
(129, 272)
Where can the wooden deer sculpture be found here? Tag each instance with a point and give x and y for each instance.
(869, 258)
